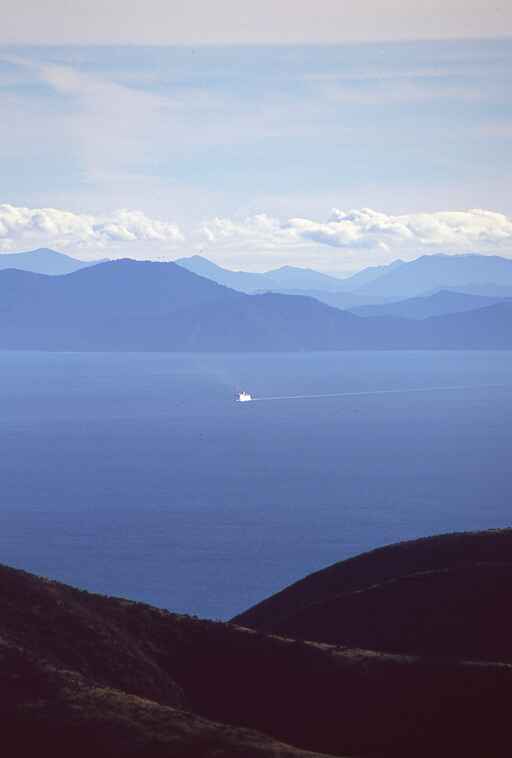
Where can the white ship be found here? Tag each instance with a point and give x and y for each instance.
(243, 397)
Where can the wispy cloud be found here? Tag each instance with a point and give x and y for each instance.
(117, 129)
(269, 134)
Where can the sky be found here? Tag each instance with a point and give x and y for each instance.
(333, 135)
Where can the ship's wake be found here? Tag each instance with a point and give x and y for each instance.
(397, 391)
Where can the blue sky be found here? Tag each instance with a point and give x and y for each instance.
(243, 151)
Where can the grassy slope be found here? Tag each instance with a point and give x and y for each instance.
(61, 713)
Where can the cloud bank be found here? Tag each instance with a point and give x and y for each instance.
(64, 229)
(364, 234)
(367, 229)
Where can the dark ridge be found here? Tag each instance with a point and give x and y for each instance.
(318, 592)
(453, 613)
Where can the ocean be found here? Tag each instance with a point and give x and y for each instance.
(138, 475)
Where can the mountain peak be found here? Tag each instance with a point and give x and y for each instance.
(198, 264)
(43, 260)
(197, 259)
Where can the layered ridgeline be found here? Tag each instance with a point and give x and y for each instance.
(433, 272)
(431, 285)
(140, 305)
(428, 286)
(473, 274)
(88, 675)
(286, 277)
(423, 306)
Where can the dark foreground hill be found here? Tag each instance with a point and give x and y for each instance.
(139, 305)
(89, 675)
(444, 596)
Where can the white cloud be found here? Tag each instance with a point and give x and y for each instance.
(457, 231)
(63, 229)
(364, 236)
(368, 228)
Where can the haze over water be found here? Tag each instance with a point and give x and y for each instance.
(138, 474)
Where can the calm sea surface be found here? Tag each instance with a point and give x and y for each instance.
(137, 474)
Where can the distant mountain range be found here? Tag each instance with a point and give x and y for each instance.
(140, 305)
(286, 278)
(489, 276)
(42, 261)
(434, 272)
(473, 274)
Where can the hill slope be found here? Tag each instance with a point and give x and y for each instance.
(438, 304)
(244, 281)
(440, 596)
(104, 676)
(472, 330)
(367, 275)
